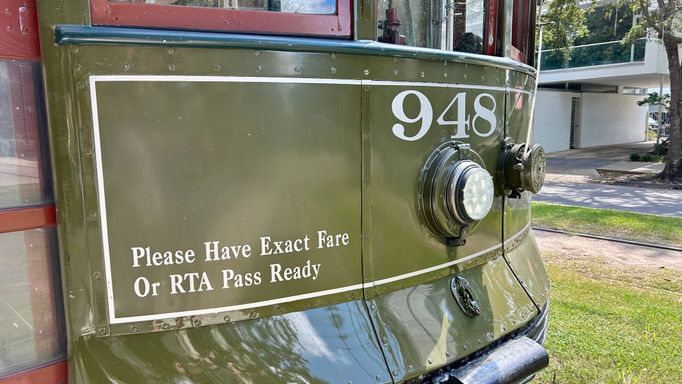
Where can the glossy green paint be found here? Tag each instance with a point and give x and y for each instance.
(322, 156)
(421, 327)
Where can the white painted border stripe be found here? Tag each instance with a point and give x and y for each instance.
(213, 311)
(102, 200)
(223, 79)
(282, 80)
(294, 80)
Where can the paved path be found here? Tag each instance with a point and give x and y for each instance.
(644, 200)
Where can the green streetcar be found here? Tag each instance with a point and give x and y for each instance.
(258, 191)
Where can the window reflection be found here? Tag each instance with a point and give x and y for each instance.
(31, 321)
(439, 24)
(24, 176)
(317, 7)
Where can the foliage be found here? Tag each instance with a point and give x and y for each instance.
(565, 23)
(661, 148)
(664, 19)
(654, 99)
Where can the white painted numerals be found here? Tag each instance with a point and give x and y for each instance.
(483, 122)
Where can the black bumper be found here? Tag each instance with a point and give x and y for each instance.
(514, 359)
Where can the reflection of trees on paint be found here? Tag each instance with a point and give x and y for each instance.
(261, 351)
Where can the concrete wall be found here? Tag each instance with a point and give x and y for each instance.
(611, 119)
(553, 119)
(606, 119)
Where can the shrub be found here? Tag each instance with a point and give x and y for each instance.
(661, 149)
(635, 157)
(647, 158)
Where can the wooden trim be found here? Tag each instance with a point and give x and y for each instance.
(517, 55)
(19, 30)
(490, 30)
(21, 219)
(55, 373)
(109, 13)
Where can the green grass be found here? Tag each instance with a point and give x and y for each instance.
(613, 324)
(626, 225)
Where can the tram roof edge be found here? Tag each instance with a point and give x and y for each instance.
(96, 35)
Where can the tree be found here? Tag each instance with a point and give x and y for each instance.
(565, 23)
(666, 21)
(663, 102)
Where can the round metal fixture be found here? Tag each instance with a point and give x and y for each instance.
(455, 192)
(524, 173)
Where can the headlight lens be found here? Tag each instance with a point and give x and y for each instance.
(470, 192)
(477, 196)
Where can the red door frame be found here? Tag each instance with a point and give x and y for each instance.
(105, 12)
(19, 41)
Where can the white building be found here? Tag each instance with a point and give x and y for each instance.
(593, 103)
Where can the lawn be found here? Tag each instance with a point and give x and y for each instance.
(626, 225)
(613, 324)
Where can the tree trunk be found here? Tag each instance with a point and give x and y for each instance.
(673, 165)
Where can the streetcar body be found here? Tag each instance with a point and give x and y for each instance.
(280, 195)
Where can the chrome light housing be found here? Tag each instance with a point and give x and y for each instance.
(455, 192)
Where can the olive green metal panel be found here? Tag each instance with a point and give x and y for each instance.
(331, 344)
(421, 328)
(522, 251)
(525, 261)
(400, 242)
(218, 193)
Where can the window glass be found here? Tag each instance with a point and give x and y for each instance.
(31, 325)
(317, 7)
(439, 24)
(24, 177)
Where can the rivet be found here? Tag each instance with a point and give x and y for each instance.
(196, 322)
(385, 341)
(333, 56)
(102, 331)
(77, 67)
(259, 68)
(254, 314)
(126, 67)
(257, 53)
(74, 49)
(396, 373)
(171, 51)
(373, 307)
(171, 67)
(92, 213)
(378, 377)
(134, 328)
(479, 342)
(445, 63)
(87, 151)
(366, 72)
(165, 326)
(217, 68)
(97, 275)
(298, 69)
(445, 75)
(333, 70)
(395, 72)
(429, 361)
(422, 74)
(447, 353)
(226, 319)
(81, 85)
(410, 368)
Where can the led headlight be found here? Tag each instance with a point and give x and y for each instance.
(455, 192)
(470, 192)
